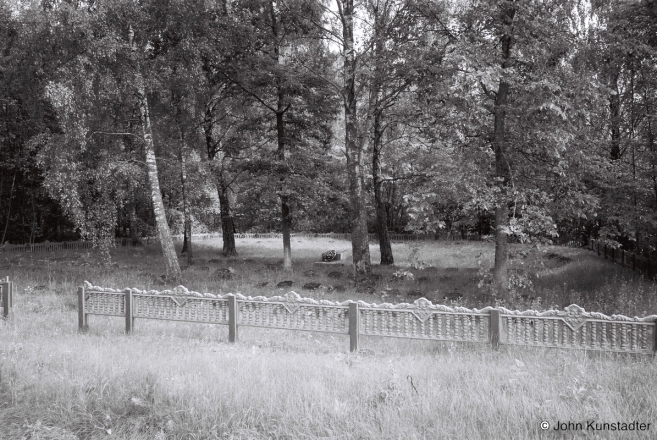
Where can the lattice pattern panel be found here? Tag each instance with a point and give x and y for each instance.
(294, 313)
(423, 320)
(179, 308)
(578, 329)
(105, 303)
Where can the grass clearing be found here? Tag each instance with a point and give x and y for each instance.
(173, 380)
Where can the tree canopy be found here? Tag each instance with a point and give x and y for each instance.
(516, 120)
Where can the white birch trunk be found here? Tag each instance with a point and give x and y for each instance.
(173, 272)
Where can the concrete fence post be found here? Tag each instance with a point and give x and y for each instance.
(83, 320)
(233, 312)
(129, 319)
(354, 326)
(654, 342)
(495, 325)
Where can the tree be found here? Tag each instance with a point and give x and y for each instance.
(31, 49)
(273, 67)
(113, 58)
(171, 260)
(354, 148)
(219, 156)
(510, 100)
(403, 43)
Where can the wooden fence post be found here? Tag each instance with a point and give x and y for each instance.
(232, 318)
(83, 320)
(354, 326)
(129, 319)
(494, 329)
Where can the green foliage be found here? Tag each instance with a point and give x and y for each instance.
(579, 125)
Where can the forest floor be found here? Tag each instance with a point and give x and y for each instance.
(174, 380)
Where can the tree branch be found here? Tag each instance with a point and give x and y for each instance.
(257, 98)
(492, 95)
(323, 78)
(114, 134)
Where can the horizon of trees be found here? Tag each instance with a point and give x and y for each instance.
(520, 119)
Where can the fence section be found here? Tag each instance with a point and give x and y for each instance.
(424, 320)
(571, 328)
(629, 260)
(335, 236)
(46, 246)
(7, 298)
(575, 328)
(294, 313)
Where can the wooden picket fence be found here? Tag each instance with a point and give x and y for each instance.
(7, 301)
(333, 235)
(46, 246)
(572, 328)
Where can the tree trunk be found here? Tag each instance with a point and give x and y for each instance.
(286, 217)
(227, 224)
(187, 241)
(615, 118)
(358, 213)
(393, 198)
(502, 167)
(34, 219)
(376, 95)
(184, 246)
(11, 195)
(173, 272)
(134, 233)
(385, 247)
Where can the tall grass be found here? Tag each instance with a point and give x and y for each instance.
(183, 381)
(176, 380)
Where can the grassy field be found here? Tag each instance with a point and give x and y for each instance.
(184, 381)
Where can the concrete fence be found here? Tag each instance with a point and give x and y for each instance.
(572, 328)
(7, 301)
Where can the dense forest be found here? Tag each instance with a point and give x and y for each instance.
(521, 120)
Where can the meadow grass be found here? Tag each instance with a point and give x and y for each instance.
(172, 380)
